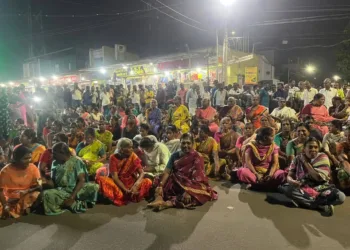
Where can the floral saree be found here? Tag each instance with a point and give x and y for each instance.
(180, 118)
(65, 177)
(187, 175)
(91, 153)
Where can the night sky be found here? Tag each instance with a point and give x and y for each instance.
(148, 32)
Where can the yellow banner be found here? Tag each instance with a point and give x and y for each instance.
(251, 75)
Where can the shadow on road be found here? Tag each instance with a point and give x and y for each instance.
(294, 223)
(177, 225)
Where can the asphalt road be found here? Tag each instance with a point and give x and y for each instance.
(240, 219)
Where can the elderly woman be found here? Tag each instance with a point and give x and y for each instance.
(260, 163)
(226, 140)
(282, 139)
(92, 151)
(184, 183)
(157, 155)
(57, 127)
(308, 180)
(154, 116)
(232, 110)
(180, 116)
(332, 139)
(248, 133)
(20, 185)
(296, 146)
(319, 112)
(125, 180)
(255, 112)
(71, 190)
(207, 115)
(28, 139)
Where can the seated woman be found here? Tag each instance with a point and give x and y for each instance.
(115, 129)
(20, 185)
(157, 155)
(28, 139)
(260, 163)
(131, 130)
(319, 113)
(104, 136)
(154, 117)
(255, 112)
(234, 111)
(57, 127)
(81, 125)
(338, 110)
(332, 139)
(96, 115)
(92, 151)
(308, 180)
(296, 146)
(226, 140)
(127, 182)
(341, 164)
(128, 116)
(209, 149)
(282, 139)
(249, 131)
(184, 183)
(179, 116)
(74, 137)
(207, 115)
(172, 135)
(71, 189)
(145, 130)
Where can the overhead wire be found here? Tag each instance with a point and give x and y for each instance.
(193, 20)
(307, 47)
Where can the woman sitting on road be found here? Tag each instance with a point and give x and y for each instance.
(184, 183)
(341, 164)
(249, 131)
(28, 139)
(255, 112)
(154, 117)
(20, 185)
(71, 190)
(127, 182)
(131, 130)
(179, 116)
(92, 151)
(296, 146)
(260, 163)
(282, 139)
(105, 136)
(331, 140)
(207, 115)
(308, 180)
(173, 143)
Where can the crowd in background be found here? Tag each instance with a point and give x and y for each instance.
(68, 148)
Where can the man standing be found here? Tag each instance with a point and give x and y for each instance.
(298, 103)
(191, 99)
(328, 92)
(264, 96)
(309, 93)
(161, 96)
(280, 93)
(340, 90)
(182, 93)
(220, 96)
(106, 101)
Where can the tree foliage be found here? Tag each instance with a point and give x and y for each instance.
(343, 56)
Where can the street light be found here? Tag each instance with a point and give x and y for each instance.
(336, 78)
(102, 70)
(42, 79)
(54, 77)
(310, 69)
(227, 3)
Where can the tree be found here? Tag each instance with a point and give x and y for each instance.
(343, 56)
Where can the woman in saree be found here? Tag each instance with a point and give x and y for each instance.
(234, 111)
(180, 116)
(28, 139)
(296, 146)
(308, 180)
(131, 130)
(282, 139)
(154, 117)
(20, 185)
(92, 151)
(184, 183)
(260, 162)
(209, 149)
(318, 112)
(255, 112)
(125, 180)
(207, 115)
(341, 164)
(249, 131)
(104, 136)
(71, 189)
(173, 141)
(332, 141)
(226, 140)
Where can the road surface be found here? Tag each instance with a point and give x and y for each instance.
(240, 219)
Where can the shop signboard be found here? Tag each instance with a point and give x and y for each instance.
(138, 70)
(251, 75)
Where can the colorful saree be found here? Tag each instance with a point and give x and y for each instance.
(206, 149)
(320, 114)
(227, 143)
(209, 114)
(254, 115)
(127, 170)
(13, 181)
(37, 150)
(154, 116)
(180, 118)
(65, 177)
(91, 153)
(187, 175)
(106, 138)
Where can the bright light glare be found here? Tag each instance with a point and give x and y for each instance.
(83, 78)
(227, 2)
(103, 70)
(167, 73)
(2, 85)
(125, 67)
(132, 72)
(336, 78)
(155, 70)
(310, 69)
(95, 81)
(42, 79)
(54, 77)
(11, 83)
(36, 99)
(199, 69)
(151, 64)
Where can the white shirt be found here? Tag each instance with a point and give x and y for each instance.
(284, 113)
(94, 97)
(77, 95)
(328, 94)
(309, 95)
(220, 97)
(106, 100)
(235, 92)
(135, 98)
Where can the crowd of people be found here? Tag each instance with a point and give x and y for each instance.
(121, 145)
